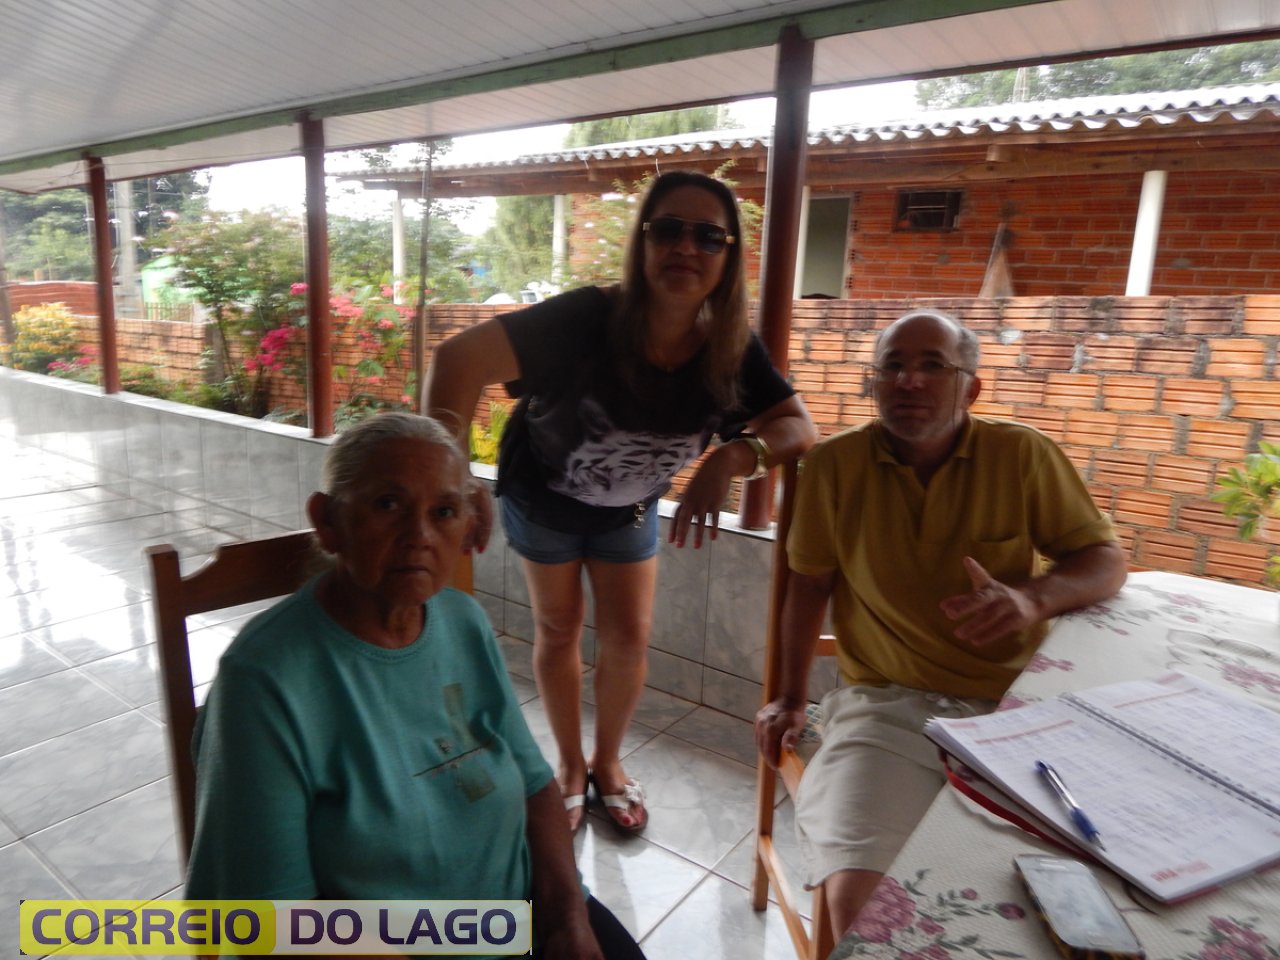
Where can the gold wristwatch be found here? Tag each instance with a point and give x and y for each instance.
(761, 450)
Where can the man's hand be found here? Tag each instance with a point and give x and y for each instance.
(991, 610)
(778, 727)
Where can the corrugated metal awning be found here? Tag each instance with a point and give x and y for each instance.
(156, 85)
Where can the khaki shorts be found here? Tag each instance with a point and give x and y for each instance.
(873, 778)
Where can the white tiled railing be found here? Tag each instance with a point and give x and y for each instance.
(251, 477)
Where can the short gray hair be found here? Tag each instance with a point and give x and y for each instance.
(967, 347)
(350, 454)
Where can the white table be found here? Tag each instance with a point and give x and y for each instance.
(952, 893)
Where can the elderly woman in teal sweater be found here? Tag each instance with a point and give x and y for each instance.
(362, 739)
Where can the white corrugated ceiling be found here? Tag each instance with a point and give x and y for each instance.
(155, 85)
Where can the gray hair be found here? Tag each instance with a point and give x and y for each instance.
(351, 453)
(967, 347)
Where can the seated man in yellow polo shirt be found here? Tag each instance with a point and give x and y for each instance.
(944, 543)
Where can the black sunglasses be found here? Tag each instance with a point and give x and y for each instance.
(707, 237)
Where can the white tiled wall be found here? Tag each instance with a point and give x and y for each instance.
(249, 477)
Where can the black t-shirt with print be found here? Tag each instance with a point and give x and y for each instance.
(582, 447)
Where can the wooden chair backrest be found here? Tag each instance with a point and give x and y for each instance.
(241, 572)
(818, 941)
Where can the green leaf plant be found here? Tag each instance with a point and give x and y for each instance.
(1250, 494)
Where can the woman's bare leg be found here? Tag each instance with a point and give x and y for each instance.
(555, 591)
(624, 613)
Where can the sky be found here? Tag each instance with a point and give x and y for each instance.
(279, 183)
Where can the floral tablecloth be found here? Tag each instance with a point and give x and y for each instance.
(952, 892)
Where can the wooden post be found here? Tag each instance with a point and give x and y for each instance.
(784, 196)
(110, 356)
(319, 321)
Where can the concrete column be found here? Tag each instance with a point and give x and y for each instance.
(397, 247)
(559, 241)
(802, 244)
(1146, 233)
(126, 250)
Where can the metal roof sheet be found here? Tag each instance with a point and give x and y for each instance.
(155, 85)
(1238, 103)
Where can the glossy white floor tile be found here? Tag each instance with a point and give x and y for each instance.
(85, 797)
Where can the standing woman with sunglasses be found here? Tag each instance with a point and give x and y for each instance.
(619, 389)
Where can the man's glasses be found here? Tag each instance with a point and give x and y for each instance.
(929, 370)
(707, 237)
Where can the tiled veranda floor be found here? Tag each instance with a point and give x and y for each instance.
(85, 806)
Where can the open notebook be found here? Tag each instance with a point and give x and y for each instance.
(1180, 777)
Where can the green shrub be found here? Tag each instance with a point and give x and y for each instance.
(141, 378)
(1250, 494)
(46, 333)
(484, 440)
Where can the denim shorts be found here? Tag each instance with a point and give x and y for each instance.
(625, 544)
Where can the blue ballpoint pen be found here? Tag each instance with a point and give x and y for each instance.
(1078, 817)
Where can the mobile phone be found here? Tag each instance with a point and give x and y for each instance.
(1081, 919)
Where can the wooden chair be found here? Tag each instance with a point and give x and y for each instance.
(818, 942)
(241, 572)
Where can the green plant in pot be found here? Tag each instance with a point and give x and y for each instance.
(1251, 494)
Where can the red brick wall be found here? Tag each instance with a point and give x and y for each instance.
(1072, 236)
(172, 348)
(81, 298)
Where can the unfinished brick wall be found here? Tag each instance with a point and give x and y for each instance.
(1072, 236)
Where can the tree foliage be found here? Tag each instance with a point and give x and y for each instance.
(1255, 62)
(517, 248)
(243, 268)
(360, 254)
(49, 235)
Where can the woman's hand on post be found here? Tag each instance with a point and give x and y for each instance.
(705, 495)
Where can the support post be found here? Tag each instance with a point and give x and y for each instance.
(559, 241)
(1146, 233)
(110, 351)
(422, 316)
(319, 321)
(784, 197)
(398, 271)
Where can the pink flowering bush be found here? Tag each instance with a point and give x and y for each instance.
(371, 337)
